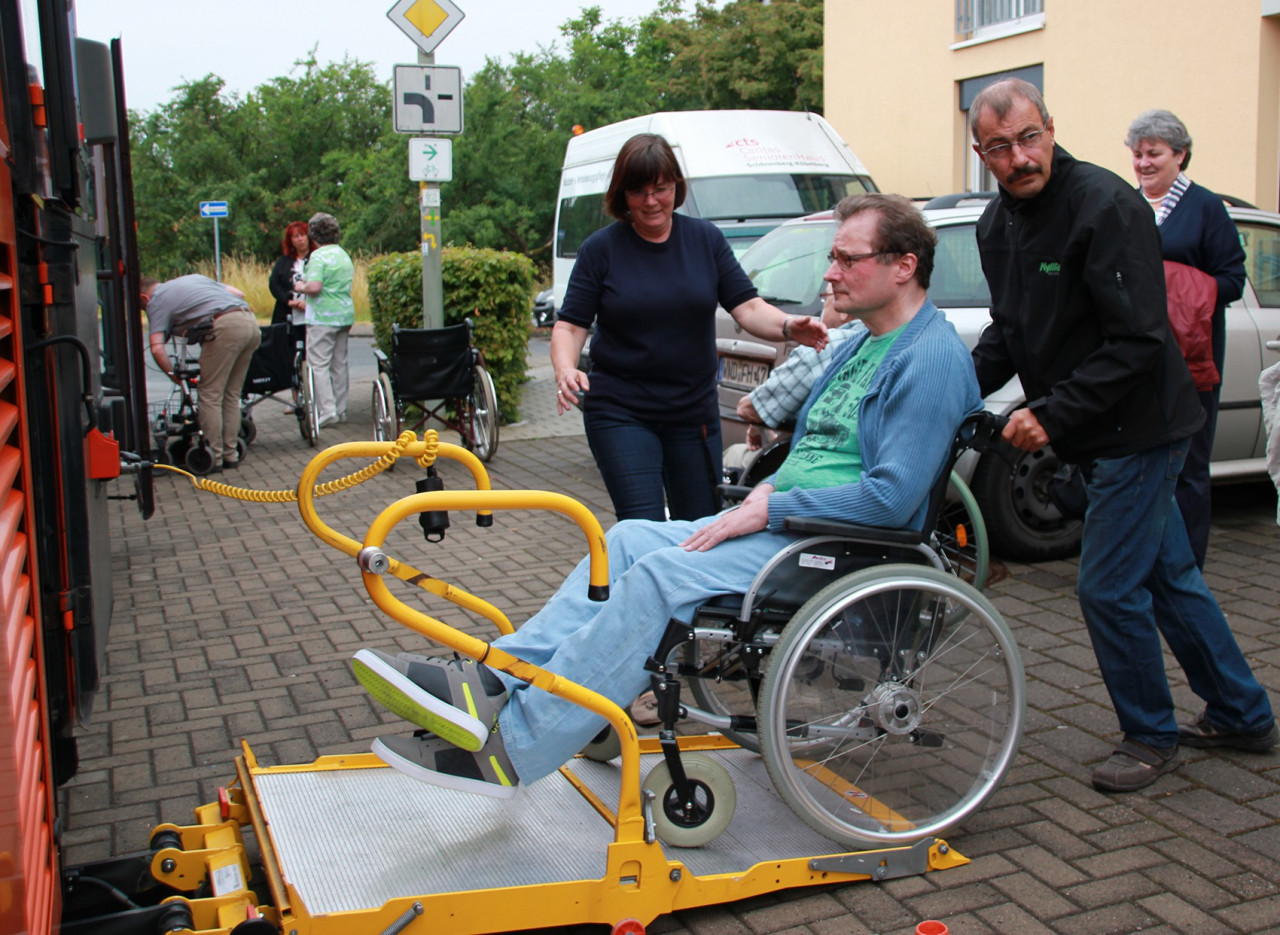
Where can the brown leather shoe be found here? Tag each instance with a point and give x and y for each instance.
(1134, 765)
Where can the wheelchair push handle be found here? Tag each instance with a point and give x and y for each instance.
(981, 432)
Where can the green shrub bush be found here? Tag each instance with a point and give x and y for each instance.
(494, 289)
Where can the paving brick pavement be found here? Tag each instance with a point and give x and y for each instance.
(232, 621)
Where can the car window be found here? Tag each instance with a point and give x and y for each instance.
(787, 265)
(957, 280)
(1262, 260)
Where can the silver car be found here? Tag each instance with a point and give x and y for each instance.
(1023, 524)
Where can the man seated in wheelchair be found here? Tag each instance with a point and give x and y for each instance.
(874, 436)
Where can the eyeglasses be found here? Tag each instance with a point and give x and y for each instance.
(643, 194)
(1025, 142)
(846, 261)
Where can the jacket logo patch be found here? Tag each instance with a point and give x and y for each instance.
(1051, 269)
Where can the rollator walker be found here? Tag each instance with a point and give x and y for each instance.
(857, 685)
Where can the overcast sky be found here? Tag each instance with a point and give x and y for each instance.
(249, 42)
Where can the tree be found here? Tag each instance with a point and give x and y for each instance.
(749, 55)
(322, 139)
(294, 146)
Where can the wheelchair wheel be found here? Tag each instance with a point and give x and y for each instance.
(385, 424)
(199, 459)
(308, 419)
(248, 429)
(715, 800)
(960, 535)
(892, 706)
(480, 419)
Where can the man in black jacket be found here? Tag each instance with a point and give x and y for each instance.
(1072, 256)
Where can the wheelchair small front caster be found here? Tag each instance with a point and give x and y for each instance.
(199, 459)
(714, 801)
(604, 746)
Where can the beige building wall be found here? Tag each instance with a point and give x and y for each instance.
(892, 85)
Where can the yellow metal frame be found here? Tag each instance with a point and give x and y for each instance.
(639, 881)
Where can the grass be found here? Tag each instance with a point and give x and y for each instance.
(250, 277)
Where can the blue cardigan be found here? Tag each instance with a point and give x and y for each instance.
(920, 394)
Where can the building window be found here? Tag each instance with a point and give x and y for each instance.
(983, 19)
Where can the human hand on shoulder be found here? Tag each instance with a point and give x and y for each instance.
(806, 330)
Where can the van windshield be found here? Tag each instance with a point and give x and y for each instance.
(770, 195)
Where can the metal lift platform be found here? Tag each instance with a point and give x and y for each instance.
(350, 846)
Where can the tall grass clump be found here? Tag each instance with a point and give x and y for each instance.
(250, 277)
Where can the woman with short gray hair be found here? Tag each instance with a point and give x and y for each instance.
(326, 282)
(1195, 232)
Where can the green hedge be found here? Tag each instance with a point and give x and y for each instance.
(492, 288)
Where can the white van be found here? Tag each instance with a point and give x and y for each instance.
(746, 170)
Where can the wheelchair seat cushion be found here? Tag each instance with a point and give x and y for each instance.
(432, 363)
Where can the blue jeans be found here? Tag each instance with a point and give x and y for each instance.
(639, 459)
(603, 645)
(1138, 581)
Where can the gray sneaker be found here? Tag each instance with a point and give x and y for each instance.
(432, 760)
(458, 700)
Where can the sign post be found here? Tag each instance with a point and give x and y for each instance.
(215, 210)
(428, 99)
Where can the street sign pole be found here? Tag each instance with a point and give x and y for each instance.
(215, 210)
(217, 253)
(428, 107)
(432, 241)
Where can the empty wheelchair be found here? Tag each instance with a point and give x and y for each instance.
(440, 366)
(280, 364)
(884, 693)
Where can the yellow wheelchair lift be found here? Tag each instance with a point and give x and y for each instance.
(350, 846)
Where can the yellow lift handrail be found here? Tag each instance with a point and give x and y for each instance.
(376, 564)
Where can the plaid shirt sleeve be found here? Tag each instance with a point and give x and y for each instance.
(780, 398)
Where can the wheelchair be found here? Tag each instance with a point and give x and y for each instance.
(884, 693)
(279, 364)
(882, 703)
(436, 364)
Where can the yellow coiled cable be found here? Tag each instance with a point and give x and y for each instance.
(407, 438)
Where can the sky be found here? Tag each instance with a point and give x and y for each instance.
(249, 42)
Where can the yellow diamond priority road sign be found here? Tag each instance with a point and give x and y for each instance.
(426, 22)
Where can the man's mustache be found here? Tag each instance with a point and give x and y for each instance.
(1025, 171)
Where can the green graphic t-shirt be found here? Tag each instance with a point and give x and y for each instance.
(829, 453)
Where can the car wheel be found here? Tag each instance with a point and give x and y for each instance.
(1023, 524)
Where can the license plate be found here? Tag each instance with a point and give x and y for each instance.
(742, 373)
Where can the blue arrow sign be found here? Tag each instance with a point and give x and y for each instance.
(213, 209)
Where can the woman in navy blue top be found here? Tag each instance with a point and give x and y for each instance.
(650, 283)
(1195, 230)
